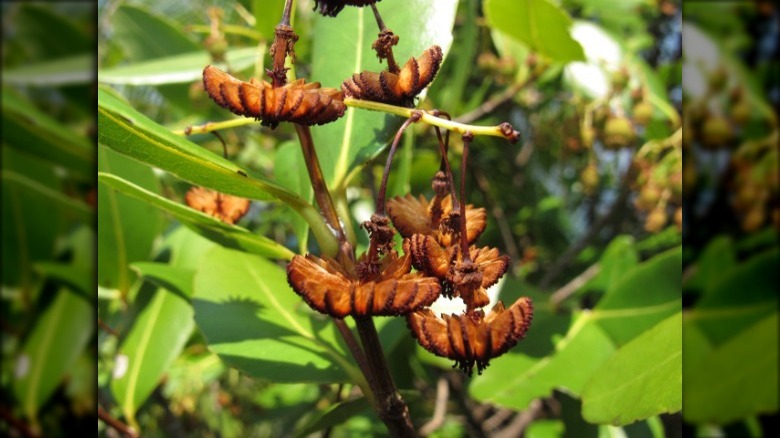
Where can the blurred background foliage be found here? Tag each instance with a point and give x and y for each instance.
(625, 125)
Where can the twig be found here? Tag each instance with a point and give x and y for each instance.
(495, 101)
(521, 421)
(358, 355)
(468, 409)
(567, 290)
(107, 327)
(498, 214)
(116, 424)
(575, 248)
(440, 409)
(498, 419)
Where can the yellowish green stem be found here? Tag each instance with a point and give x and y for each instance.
(228, 28)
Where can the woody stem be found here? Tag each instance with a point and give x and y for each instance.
(445, 162)
(464, 244)
(321, 193)
(380, 197)
(392, 409)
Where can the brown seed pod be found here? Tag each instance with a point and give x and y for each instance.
(227, 208)
(329, 289)
(392, 88)
(460, 278)
(412, 215)
(473, 338)
(296, 102)
(331, 8)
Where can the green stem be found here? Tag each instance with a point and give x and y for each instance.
(504, 130)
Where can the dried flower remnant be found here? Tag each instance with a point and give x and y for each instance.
(460, 277)
(396, 89)
(472, 338)
(296, 102)
(331, 8)
(328, 288)
(227, 208)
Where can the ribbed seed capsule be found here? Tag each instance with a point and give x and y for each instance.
(472, 338)
(296, 102)
(412, 215)
(328, 289)
(396, 89)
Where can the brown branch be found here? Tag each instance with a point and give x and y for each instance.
(116, 424)
(521, 421)
(498, 213)
(466, 405)
(107, 327)
(440, 408)
(495, 101)
(20, 426)
(577, 282)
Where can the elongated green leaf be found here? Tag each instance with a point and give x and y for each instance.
(737, 379)
(36, 133)
(125, 130)
(642, 379)
(144, 35)
(250, 316)
(68, 206)
(540, 24)
(129, 132)
(625, 313)
(187, 67)
(50, 34)
(228, 235)
(721, 313)
(128, 226)
(156, 338)
(360, 135)
(57, 339)
(29, 229)
(77, 69)
(290, 171)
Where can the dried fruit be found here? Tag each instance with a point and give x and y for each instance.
(392, 88)
(716, 132)
(473, 338)
(412, 215)
(328, 288)
(227, 208)
(296, 102)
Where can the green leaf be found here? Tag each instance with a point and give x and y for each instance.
(225, 234)
(171, 278)
(77, 279)
(187, 67)
(267, 14)
(254, 321)
(29, 229)
(360, 135)
(624, 312)
(36, 133)
(129, 132)
(540, 24)
(721, 313)
(128, 226)
(618, 259)
(57, 338)
(77, 69)
(737, 379)
(156, 338)
(334, 415)
(714, 262)
(290, 171)
(68, 206)
(144, 35)
(642, 379)
(515, 380)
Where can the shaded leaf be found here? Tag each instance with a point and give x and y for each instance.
(171, 278)
(250, 316)
(737, 379)
(144, 35)
(68, 206)
(228, 235)
(290, 171)
(619, 257)
(642, 379)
